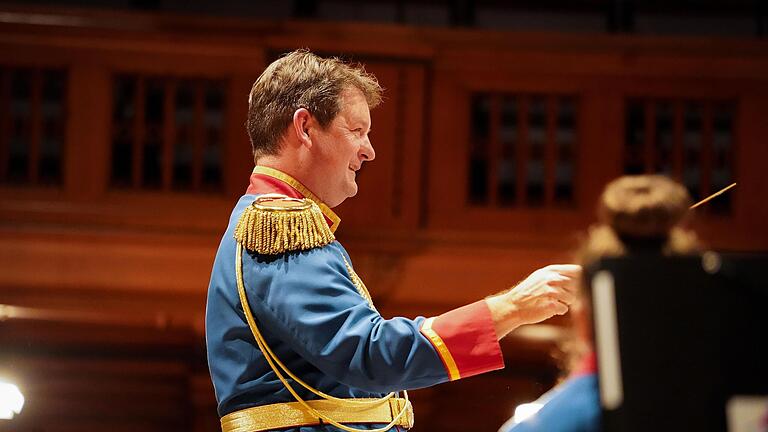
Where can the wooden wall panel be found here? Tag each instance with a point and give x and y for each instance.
(448, 152)
(87, 131)
(106, 261)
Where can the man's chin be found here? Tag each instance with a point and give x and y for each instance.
(349, 194)
(351, 189)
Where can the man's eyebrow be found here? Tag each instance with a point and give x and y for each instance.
(360, 125)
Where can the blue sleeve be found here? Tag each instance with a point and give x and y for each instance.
(574, 407)
(308, 301)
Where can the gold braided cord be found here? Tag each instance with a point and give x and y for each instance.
(358, 283)
(273, 225)
(274, 363)
(260, 340)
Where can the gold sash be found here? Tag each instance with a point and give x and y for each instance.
(293, 414)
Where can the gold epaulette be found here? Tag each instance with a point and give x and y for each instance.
(275, 224)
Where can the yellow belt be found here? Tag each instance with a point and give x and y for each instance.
(292, 414)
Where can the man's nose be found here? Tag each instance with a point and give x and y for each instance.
(367, 153)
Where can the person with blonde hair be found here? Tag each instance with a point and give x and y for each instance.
(637, 215)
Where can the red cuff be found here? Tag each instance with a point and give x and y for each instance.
(465, 339)
(587, 365)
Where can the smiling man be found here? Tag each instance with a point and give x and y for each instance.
(294, 340)
(326, 155)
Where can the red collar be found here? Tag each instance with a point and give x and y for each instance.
(269, 180)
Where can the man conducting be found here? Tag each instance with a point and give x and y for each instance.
(294, 340)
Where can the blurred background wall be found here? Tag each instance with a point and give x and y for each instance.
(123, 148)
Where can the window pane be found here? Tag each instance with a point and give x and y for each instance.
(722, 159)
(478, 160)
(663, 139)
(565, 141)
(537, 135)
(153, 134)
(214, 123)
(634, 138)
(53, 127)
(509, 137)
(123, 114)
(182, 149)
(692, 142)
(20, 126)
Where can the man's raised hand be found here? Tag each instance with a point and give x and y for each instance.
(544, 293)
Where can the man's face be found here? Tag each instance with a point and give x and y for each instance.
(342, 148)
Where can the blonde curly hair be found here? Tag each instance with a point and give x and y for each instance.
(643, 213)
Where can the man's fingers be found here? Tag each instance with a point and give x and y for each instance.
(558, 279)
(564, 282)
(560, 308)
(562, 296)
(570, 270)
(555, 279)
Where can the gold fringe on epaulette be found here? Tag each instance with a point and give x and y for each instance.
(270, 230)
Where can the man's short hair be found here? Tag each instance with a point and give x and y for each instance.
(301, 79)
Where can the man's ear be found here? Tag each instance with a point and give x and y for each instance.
(302, 120)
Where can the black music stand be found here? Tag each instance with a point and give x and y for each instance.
(676, 342)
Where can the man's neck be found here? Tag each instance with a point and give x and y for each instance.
(294, 167)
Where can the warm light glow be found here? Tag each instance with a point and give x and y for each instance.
(11, 400)
(523, 411)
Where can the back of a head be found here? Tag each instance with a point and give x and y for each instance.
(301, 79)
(640, 214)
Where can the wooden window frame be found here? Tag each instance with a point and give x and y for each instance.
(680, 92)
(85, 195)
(453, 211)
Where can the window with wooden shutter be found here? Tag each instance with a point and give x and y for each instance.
(522, 150)
(32, 125)
(167, 133)
(691, 140)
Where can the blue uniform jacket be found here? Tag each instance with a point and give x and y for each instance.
(320, 326)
